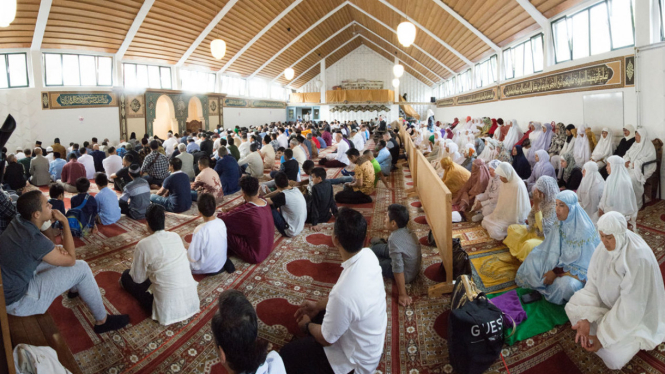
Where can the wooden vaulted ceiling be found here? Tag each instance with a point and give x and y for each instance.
(171, 27)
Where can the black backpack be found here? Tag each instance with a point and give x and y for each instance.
(461, 263)
(475, 329)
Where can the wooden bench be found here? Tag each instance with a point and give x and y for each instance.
(37, 330)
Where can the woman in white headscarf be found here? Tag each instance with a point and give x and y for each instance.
(618, 194)
(591, 190)
(513, 204)
(582, 151)
(569, 245)
(486, 201)
(452, 151)
(620, 309)
(542, 142)
(513, 136)
(642, 152)
(604, 148)
(537, 131)
(489, 151)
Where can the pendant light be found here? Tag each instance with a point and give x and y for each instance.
(218, 48)
(8, 12)
(398, 70)
(289, 73)
(395, 82)
(406, 33)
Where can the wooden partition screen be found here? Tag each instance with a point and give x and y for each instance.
(436, 201)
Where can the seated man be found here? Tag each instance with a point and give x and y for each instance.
(378, 175)
(401, 257)
(39, 169)
(88, 162)
(289, 209)
(108, 209)
(207, 251)
(339, 158)
(321, 205)
(289, 166)
(89, 210)
(235, 328)
(160, 278)
(55, 166)
(268, 153)
(121, 177)
(98, 157)
(155, 166)
(252, 164)
(35, 271)
(113, 163)
(346, 330)
(207, 181)
(175, 194)
(135, 198)
(358, 192)
(71, 173)
(384, 158)
(228, 170)
(187, 160)
(249, 227)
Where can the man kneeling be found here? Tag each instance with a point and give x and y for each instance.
(35, 271)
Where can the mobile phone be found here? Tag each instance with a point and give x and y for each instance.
(531, 297)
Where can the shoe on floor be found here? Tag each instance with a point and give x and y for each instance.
(477, 218)
(113, 322)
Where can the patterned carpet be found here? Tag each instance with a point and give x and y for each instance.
(306, 267)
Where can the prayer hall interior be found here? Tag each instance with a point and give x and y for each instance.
(332, 186)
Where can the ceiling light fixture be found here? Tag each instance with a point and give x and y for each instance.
(398, 70)
(289, 73)
(8, 14)
(395, 82)
(406, 33)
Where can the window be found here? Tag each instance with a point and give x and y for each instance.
(13, 70)
(278, 92)
(661, 4)
(197, 81)
(258, 88)
(605, 26)
(77, 70)
(486, 72)
(146, 76)
(234, 86)
(449, 87)
(523, 59)
(464, 81)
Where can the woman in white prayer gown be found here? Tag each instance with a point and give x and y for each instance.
(621, 309)
(591, 190)
(513, 205)
(513, 136)
(537, 131)
(618, 195)
(568, 148)
(604, 148)
(452, 150)
(582, 151)
(489, 151)
(568, 246)
(486, 201)
(641, 152)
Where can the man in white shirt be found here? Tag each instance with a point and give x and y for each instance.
(19, 154)
(252, 163)
(160, 278)
(346, 331)
(49, 154)
(243, 148)
(207, 252)
(282, 139)
(112, 163)
(169, 143)
(89, 162)
(298, 153)
(235, 327)
(268, 153)
(338, 159)
(357, 139)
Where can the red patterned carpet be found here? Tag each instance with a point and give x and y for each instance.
(306, 267)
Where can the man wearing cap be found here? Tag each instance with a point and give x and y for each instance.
(19, 153)
(49, 154)
(57, 147)
(39, 144)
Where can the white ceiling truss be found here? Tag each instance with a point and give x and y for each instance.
(131, 33)
(40, 25)
(469, 26)
(319, 62)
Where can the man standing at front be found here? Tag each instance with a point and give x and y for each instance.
(345, 331)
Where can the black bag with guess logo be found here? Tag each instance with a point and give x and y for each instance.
(475, 329)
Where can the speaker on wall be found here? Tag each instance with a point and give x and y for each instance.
(432, 99)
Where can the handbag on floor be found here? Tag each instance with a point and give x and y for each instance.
(461, 263)
(475, 329)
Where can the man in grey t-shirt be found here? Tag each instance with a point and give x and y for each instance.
(400, 258)
(289, 208)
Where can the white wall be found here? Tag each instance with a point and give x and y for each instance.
(251, 116)
(364, 63)
(33, 123)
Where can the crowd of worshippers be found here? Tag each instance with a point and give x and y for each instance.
(36, 270)
(573, 242)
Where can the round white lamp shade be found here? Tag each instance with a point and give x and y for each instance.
(289, 73)
(398, 70)
(406, 33)
(319, 83)
(8, 12)
(395, 82)
(218, 48)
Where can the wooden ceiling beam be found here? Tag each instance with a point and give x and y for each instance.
(469, 26)
(319, 62)
(398, 59)
(40, 25)
(431, 34)
(206, 31)
(342, 5)
(138, 21)
(534, 13)
(260, 34)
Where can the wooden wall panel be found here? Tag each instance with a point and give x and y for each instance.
(246, 19)
(550, 8)
(89, 24)
(170, 28)
(19, 33)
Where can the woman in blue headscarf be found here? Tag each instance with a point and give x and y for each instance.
(557, 268)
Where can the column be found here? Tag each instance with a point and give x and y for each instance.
(644, 22)
(322, 78)
(396, 98)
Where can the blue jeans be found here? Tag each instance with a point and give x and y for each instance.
(280, 223)
(163, 201)
(195, 196)
(341, 180)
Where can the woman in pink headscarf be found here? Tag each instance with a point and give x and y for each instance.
(477, 183)
(455, 123)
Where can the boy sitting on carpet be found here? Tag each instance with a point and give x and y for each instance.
(400, 258)
(321, 205)
(89, 216)
(107, 201)
(57, 200)
(160, 278)
(289, 208)
(235, 328)
(207, 251)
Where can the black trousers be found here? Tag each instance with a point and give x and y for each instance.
(349, 196)
(138, 290)
(306, 355)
